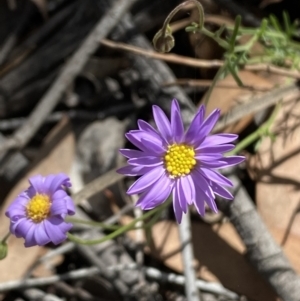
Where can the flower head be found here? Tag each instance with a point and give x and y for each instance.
(184, 163)
(38, 214)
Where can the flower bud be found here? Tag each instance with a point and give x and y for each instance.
(163, 42)
(3, 250)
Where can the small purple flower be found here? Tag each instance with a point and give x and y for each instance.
(171, 160)
(38, 214)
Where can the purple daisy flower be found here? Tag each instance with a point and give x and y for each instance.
(171, 160)
(38, 214)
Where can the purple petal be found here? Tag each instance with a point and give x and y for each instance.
(188, 188)
(30, 192)
(222, 163)
(233, 160)
(215, 176)
(40, 235)
(213, 164)
(162, 123)
(15, 213)
(37, 182)
(210, 121)
(149, 148)
(140, 135)
(202, 182)
(132, 153)
(161, 197)
(146, 161)
(223, 148)
(221, 191)
(195, 125)
(181, 196)
(133, 170)
(65, 227)
(48, 181)
(207, 126)
(58, 195)
(17, 207)
(59, 207)
(58, 181)
(62, 204)
(29, 237)
(145, 126)
(219, 139)
(70, 205)
(212, 205)
(155, 148)
(176, 122)
(200, 200)
(205, 192)
(20, 227)
(163, 183)
(146, 180)
(208, 157)
(53, 230)
(176, 206)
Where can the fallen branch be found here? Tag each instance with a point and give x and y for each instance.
(152, 273)
(262, 251)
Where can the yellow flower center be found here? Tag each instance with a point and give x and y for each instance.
(179, 160)
(38, 208)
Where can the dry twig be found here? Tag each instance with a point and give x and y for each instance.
(203, 83)
(197, 63)
(192, 293)
(257, 104)
(152, 273)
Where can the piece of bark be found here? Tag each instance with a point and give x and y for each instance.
(262, 251)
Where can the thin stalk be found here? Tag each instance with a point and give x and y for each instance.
(262, 131)
(4, 239)
(92, 223)
(119, 231)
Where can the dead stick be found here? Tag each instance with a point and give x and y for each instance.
(197, 63)
(258, 104)
(72, 68)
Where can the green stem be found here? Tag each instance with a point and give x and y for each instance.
(4, 239)
(235, 32)
(92, 223)
(263, 130)
(119, 231)
(215, 80)
(212, 35)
